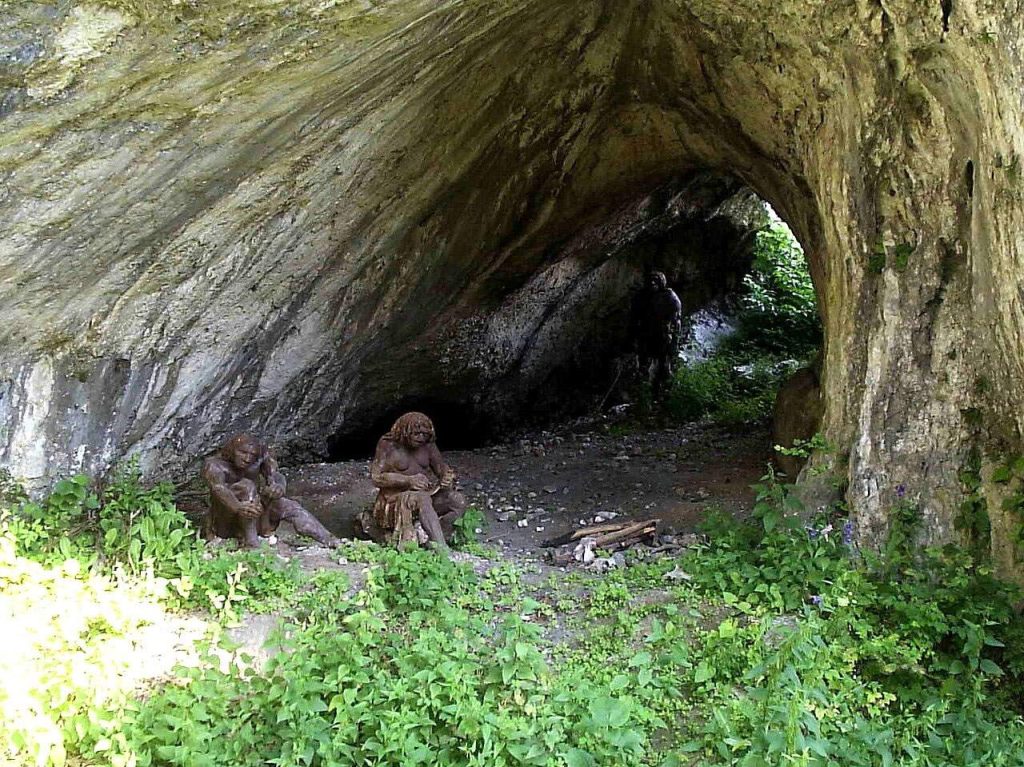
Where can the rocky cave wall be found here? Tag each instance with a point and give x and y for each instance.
(271, 217)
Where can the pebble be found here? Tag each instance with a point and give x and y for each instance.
(522, 523)
(678, 575)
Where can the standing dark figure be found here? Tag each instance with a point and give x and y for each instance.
(415, 484)
(247, 496)
(656, 327)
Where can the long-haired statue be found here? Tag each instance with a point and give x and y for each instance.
(417, 497)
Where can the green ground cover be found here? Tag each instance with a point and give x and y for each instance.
(756, 648)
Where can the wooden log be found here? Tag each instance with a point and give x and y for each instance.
(583, 532)
(638, 529)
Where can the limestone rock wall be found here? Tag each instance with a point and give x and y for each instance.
(217, 217)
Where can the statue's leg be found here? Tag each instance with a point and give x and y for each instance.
(304, 522)
(662, 375)
(248, 527)
(644, 364)
(428, 518)
(450, 505)
(248, 532)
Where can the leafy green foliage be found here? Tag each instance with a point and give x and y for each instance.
(767, 645)
(777, 324)
(779, 312)
(138, 530)
(403, 674)
(1011, 475)
(62, 675)
(729, 388)
(902, 661)
(466, 527)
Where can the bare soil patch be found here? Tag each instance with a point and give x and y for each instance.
(547, 483)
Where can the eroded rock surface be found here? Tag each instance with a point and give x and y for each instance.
(217, 217)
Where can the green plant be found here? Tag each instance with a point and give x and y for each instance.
(776, 647)
(66, 676)
(973, 519)
(256, 580)
(1011, 475)
(466, 527)
(779, 310)
(778, 326)
(876, 261)
(730, 387)
(901, 256)
(804, 448)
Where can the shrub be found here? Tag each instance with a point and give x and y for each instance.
(729, 388)
(778, 328)
(779, 311)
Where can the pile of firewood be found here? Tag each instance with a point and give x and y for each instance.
(581, 545)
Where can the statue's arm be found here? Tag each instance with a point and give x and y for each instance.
(381, 473)
(276, 483)
(216, 477)
(437, 464)
(444, 472)
(677, 315)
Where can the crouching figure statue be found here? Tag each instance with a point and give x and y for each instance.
(247, 496)
(417, 500)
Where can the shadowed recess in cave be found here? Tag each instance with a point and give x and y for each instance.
(749, 320)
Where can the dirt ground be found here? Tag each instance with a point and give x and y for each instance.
(549, 483)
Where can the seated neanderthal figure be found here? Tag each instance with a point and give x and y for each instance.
(416, 485)
(247, 496)
(656, 327)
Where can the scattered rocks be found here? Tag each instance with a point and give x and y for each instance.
(584, 551)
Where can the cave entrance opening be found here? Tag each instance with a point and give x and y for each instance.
(750, 321)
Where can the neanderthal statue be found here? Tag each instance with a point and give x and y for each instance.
(656, 327)
(416, 486)
(247, 496)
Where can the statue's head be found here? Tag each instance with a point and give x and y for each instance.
(243, 450)
(657, 281)
(412, 430)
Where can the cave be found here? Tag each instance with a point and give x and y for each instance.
(293, 223)
(573, 314)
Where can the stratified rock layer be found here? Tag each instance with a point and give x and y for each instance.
(273, 218)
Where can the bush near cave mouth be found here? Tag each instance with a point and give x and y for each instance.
(778, 331)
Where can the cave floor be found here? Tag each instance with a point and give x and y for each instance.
(548, 483)
(555, 480)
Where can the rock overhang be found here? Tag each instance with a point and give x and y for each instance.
(246, 219)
